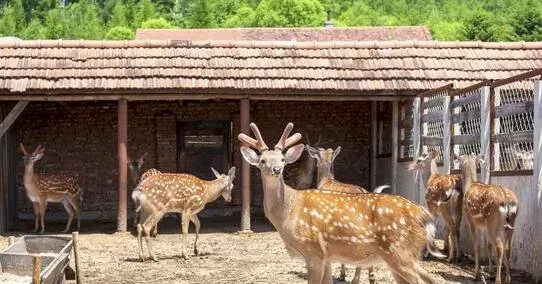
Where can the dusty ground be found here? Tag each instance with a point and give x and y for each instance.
(225, 257)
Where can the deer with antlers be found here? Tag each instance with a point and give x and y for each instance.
(56, 188)
(444, 197)
(324, 226)
(162, 193)
(490, 210)
(326, 181)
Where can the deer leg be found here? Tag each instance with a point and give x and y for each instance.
(327, 273)
(36, 216)
(449, 230)
(314, 271)
(476, 245)
(507, 251)
(140, 242)
(357, 275)
(69, 209)
(75, 202)
(197, 224)
(489, 255)
(185, 221)
(342, 276)
(500, 252)
(372, 278)
(147, 226)
(43, 207)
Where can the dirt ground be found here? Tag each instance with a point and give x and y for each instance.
(225, 257)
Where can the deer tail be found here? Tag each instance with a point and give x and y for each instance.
(509, 211)
(136, 194)
(430, 229)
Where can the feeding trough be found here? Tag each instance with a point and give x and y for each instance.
(51, 253)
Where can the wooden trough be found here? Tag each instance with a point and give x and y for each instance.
(51, 253)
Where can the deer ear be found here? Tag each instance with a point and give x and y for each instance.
(39, 156)
(314, 153)
(250, 155)
(217, 174)
(336, 152)
(293, 153)
(231, 173)
(480, 158)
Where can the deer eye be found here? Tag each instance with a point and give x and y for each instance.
(282, 160)
(262, 161)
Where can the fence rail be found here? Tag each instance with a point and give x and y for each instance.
(501, 120)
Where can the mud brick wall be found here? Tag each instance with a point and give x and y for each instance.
(81, 138)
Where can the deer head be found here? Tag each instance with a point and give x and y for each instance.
(31, 159)
(135, 167)
(526, 158)
(468, 167)
(226, 194)
(271, 162)
(423, 161)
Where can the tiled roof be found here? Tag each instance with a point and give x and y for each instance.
(255, 67)
(289, 34)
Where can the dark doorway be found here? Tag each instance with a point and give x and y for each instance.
(202, 145)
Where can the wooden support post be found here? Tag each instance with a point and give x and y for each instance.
(537, 145)
(416, 142)
(36, 271)
(76, 255)
(11, 240)
(447, 139)
(245, 168)
(3, 175)
(394, 144)
(485, 132)
(374, 144)
(12, 116)
(123, 164)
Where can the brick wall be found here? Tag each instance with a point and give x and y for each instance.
(81, 138)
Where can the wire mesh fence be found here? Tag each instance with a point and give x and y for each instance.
(406, 149)
(466, 122)
(514, 118)
(433, 106)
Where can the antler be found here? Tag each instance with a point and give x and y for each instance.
(21, 147)
(39, 149)
(143, 156)
(286, 141)
(257, 143)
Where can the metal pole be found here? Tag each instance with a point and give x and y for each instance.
(374, 145)
(245, 169)
(123, 163)
(395, 144)
(537, 139)
(485, 135)
(416, 142)
(447, 139)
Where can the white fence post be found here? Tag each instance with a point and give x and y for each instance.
(416, 142)
(537, 145)
(395, 144)
(485, 132)
(447, 139)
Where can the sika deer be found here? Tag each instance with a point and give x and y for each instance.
(444, 197)
(325, 226)
(490, 210)
(161, 193)
(137, 177)
(326, 181)
(55, 188)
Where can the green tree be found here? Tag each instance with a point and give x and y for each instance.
(180, 13)
(200, 15)
(56, 24)
(447, 31)
(118, 18)
(159, 23)
(361, 14)
(34, 30)
(145, 11)
(528, 22)
(290, 13)
(8, 22)
(482, 25)
(84, 20)
(244, 17)
(119, 33)
(226, 9)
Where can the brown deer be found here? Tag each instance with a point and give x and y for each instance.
(56, 188)
(326, 181)
(324, 226)
(161, 193)
(490, 210)
(137, 177)
(444, 197)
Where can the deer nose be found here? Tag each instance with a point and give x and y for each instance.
(276, 170)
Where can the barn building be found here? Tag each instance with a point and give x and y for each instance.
(183, 96)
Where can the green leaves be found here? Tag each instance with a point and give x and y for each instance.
(290, 13)
(119, 33)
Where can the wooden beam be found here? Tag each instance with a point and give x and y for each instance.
(436, 91)
(514, 137)
(12, 116)
(434, 116)
(431, 141)
(395, 144)
(374, 144)
(245, 168)
(465, 139)
(123, 164)
(516, 78)
(465, 116)
(461, 101)
(514, 108)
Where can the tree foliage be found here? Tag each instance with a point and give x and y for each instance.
(487, 20)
